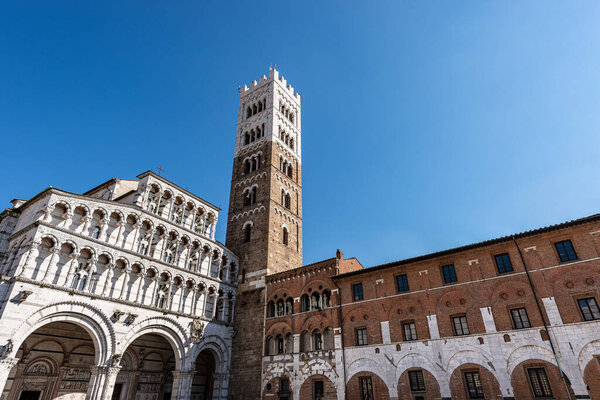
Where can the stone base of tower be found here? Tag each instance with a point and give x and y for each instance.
(246, 361)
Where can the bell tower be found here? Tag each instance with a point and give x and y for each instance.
(264, 223)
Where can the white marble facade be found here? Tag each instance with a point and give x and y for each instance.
(129, 261)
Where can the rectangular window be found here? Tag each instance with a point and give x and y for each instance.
(589, 309)
(284, 390)
(539, 382)
(460, 325)
(410, 331)
(402, 283)
(284, 386)
(357, 291)
(520, 318)
(318, 390)
(565, 250)
(366, 388)
(474, 386)
(417, 381)
(503, 263)
(449, 273)
(318, 341)
(361, 337)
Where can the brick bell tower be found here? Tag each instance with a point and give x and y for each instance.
(264, 224)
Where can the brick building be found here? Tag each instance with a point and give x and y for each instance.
(489, 320)
(498, 319)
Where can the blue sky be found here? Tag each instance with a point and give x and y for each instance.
(426, 125)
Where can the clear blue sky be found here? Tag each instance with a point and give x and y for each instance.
(426, 125)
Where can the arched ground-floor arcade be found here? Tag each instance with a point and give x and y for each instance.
(74, 352)
(529, 379)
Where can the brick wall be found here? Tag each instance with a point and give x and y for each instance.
(491, 388)
(380, 390)
(481, 293)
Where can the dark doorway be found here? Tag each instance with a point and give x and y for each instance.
(202, 386)
(30, 395)
(117, 392)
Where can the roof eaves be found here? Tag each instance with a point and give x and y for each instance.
(533, 232)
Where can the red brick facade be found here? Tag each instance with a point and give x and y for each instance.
(493, 305)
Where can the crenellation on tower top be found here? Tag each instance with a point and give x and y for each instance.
(273, 76)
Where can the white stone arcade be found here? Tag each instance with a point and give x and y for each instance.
(121, 292)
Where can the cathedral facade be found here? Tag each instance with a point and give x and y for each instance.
(118, 293)
(123, 292)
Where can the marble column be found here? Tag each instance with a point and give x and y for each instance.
(55, 251)
(140, 282)
(31, 255)
(109, 274)
(136, 231)
(120, 228)
(102, 382)
(103, 228)
(91, 273)
(182, 384)
(126, 273)
(86, 225)
(70, 272)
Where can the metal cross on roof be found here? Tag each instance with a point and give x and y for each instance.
(160, 170)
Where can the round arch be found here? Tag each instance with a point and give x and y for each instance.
(414, 360)
(467, 357)
(380, 389)
(162, 326)
(365, 364)
(524, 353)
(520, 379)
(490, 384)
(217, 346)
(91, 319)
(588, 352)
(329, 390)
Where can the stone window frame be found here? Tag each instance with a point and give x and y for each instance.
(582, 296)
(410, 381)
(575, 252)
(537, 365)
(460, 315)
(443, 275)
(407, 322)
(356, 335)
(464, 373)
(362, 291)
(518, 306)
(495, 259)
(405, 289)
